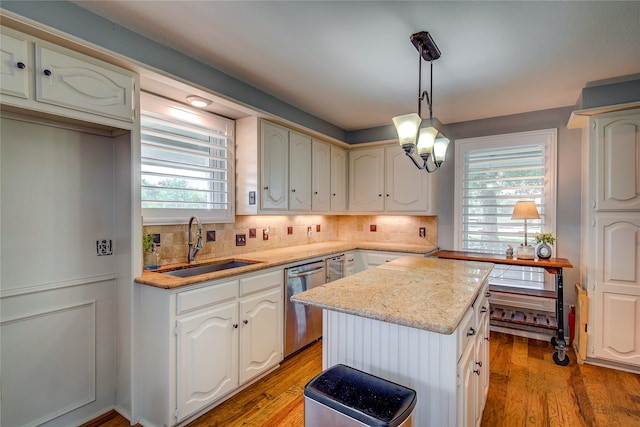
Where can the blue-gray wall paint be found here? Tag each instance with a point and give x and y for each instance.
(611, 94)
(78, 22)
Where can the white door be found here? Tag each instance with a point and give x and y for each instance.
(338, 179)
(261, 334)
(366, 180)
(274, 155)
(322, 176)
(207, 358)
(617, 329)
(299, 172)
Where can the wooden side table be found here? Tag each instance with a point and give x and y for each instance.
(552, 266)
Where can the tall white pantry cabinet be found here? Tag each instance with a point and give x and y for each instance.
(611, 230)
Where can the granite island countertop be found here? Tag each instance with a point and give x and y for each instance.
(425, 293)
(271, 258)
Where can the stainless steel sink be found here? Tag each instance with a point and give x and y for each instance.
(209, 268)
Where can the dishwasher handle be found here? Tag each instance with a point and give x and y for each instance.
(305, 273)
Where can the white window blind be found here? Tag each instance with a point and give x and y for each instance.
(186, 163)
(494, 173)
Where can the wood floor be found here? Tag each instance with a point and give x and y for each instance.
(526, 389)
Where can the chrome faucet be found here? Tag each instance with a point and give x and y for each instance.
(193, 250)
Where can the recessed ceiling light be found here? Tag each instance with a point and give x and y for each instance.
(197, 101)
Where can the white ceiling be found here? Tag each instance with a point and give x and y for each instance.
(351, 62)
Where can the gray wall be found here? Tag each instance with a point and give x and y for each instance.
(568, 219)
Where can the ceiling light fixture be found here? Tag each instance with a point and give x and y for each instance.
(197, 101)
(431, 143)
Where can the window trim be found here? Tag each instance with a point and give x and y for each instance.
(168, 109)
(546, 136)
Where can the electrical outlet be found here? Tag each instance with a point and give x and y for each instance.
(252, 233)
(241, 239)
(289, 230)
(265, 233)
(104, 247)
(422, 232)
(252, 197)
(309, 231)
(156, 239)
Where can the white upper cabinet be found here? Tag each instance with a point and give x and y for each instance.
(322, 177)
(40, 76)
(617, 160)
(366, 179)
(339, 177)
(382, 179)
(14, 74)
(274, 154)
(299, 172)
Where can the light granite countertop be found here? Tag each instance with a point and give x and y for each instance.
(270, 258)
(425, 293)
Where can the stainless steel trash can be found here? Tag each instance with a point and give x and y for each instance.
(342, 396)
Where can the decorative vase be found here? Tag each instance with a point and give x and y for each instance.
(543, 250)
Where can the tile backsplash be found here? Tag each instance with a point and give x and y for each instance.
(397, 229)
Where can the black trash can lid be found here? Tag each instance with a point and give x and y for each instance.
(371, 400)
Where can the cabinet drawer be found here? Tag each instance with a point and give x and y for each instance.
(203, 297)
(261, 282)
(467, 332)
(71, 82)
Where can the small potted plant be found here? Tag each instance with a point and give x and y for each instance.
(543, 240)
(150, 253)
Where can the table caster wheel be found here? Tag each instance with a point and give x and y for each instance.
(554, 341)
(562, 362)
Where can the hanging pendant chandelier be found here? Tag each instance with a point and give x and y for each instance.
(427, 142)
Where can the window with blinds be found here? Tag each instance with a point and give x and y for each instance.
(494, 173)
(186, 163)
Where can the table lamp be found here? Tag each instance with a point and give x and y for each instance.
(525, 210)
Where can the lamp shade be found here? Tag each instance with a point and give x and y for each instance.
(525, 210)
(407, 128)
(440, 150)
(426, 138)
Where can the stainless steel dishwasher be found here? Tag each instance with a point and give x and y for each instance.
(335, 267)
(303, 324)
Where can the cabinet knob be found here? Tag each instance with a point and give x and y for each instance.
(488, 294)
(387, 195)
(21, 65)
(266, 188)
(479, 364)
(235, 325)
(477, 372)
(379, 195)
(315, 192)
(293, 190)
(471, 332)
(47, 72)
(487, 338)
(334, 194)
(483, 310)
(245, 321)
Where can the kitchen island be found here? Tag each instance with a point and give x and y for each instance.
(420, 322)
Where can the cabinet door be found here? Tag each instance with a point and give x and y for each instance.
(207, 357)
(261, 335)
(72, 82)
(299, 172)
(14, 80)
(366, 180)
(322, 176)
(617, 156)
(481, 368)
(274, 157)
(406, 188)
(338, 179)
(466, 392)
(617, 330)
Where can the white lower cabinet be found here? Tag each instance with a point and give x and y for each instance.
(199, 346)
(473, 365)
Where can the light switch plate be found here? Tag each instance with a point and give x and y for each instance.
(241, 239)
